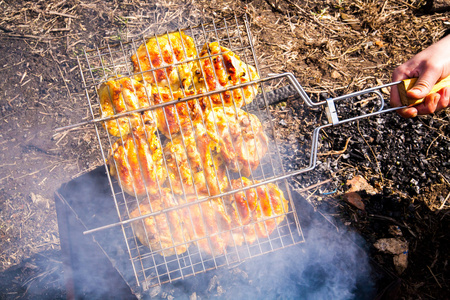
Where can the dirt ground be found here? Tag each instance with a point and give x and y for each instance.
(332, 47)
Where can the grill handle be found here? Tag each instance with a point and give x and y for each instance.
(408, 84)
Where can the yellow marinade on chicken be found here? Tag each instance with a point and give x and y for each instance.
(220, 69)
(168, 58)
(241, 138)
(174, 155)
(193, 164)
(123, 94)
(137, 162)
(164, 231)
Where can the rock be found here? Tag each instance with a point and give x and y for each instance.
(40, 200)
(355, 200)
(397, 246)
(359, 183)
(283, 123)
(401, 262)
(155, 291)
(392, 245)
(212, 283)
(335, 74)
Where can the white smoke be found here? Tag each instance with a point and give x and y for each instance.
(329, 265)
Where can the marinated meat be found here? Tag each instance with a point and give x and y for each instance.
(168, 54)
(207, 222)
(193, 168)
(172, 118)
(242, 141)
(137, 162)
(258, 210)
(164, 231)
(122, 94)
(222, 70)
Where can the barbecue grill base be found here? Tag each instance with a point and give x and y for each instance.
(97, 267)
(88, 272)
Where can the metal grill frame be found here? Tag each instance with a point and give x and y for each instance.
(150, 267)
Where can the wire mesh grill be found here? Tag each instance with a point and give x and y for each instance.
(159, 220)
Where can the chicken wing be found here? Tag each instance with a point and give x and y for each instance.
(242, 141)
(192, 164)
(137, 162)
(207, 222)
(159, 56)
(164, 231)
(222, 70)
(172, 117)
(259, 210)
(122, 94)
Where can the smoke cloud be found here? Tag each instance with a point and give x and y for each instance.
(330, 265)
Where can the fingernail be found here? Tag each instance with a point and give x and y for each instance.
(437, 98)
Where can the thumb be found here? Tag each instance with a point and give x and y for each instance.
(423, 85)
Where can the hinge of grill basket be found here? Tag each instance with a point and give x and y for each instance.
(331, 112)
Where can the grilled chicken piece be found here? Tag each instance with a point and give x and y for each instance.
(162, 231)
(242, 141)
(162, 52)
(120, 95)
(137, 162)
(255, 209)
(207, 221)
(222, 70)
(173, 117)
(191, 159)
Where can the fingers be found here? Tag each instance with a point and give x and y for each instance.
(429, 105)
(434, 102)
(395, 101)
(444, 100)
(424, 84)
(409, 112)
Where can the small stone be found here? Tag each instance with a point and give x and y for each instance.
(359, 183)
(283, 123)
(355, 200)
(39, 200)
(401, 262)
(193, 296)
(335, 74)
(392, 245)
(155, 291)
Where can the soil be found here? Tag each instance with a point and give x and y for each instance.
(332, 47)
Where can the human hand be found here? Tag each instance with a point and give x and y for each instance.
(429, 66)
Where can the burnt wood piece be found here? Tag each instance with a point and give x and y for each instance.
(433, 6)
